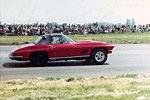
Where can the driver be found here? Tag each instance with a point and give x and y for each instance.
(56, 40)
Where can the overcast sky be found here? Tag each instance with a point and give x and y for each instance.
(74, 11)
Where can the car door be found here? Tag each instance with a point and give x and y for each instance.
(63, 49)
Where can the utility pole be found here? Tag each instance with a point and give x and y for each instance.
(13, 21)
(33, 11)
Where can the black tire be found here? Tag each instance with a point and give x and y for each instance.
(99, 59)
(39, 59)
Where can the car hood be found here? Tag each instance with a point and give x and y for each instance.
(88, 42)
(26, 45)
(21, 46)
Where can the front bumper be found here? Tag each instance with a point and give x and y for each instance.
(110, 48)
(12, 57)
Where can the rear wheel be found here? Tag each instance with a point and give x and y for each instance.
(39, 59)
(99, 56)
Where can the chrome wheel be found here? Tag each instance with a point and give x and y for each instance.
(99, 56)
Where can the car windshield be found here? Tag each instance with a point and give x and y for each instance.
(38, 40)
(68, 39)
(57, 39)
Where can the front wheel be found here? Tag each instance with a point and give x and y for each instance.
(39, 59)
(99, 56)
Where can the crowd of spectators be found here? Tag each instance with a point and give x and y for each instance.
(94, 28)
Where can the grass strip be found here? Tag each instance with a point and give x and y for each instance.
(123, 87)
(117, 38)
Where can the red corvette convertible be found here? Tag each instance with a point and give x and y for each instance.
(56, 46)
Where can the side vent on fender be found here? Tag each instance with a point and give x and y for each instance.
(84, 51)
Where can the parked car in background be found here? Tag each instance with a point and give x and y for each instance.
(57, 46)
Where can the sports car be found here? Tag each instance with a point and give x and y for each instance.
(57, 46)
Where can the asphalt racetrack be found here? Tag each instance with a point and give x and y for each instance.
(125, 59)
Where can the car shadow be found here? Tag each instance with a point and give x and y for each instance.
(50, 64)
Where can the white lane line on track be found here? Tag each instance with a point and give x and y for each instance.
(8, 46)
(132, 52)
(4, 54)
